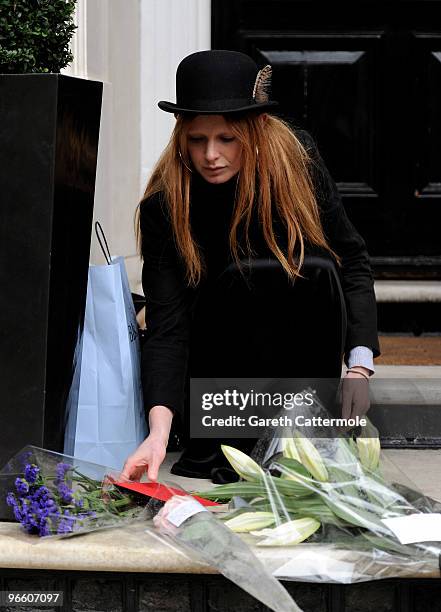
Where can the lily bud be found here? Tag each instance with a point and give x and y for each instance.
(369, 452)
(242, 464)
(247, 521)
(311, 459)
(289, 449)
(288, 534)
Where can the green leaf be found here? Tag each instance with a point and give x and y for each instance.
(292, 465)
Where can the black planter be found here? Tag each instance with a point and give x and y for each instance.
(49, 126)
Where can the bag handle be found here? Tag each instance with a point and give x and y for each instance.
(102, 238)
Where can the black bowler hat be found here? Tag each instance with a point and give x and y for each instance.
(218, 82)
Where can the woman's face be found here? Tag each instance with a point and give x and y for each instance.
(213, 148)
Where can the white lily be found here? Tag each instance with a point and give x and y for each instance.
(289, 449)
(242, 464)
(311, 458)
(369, 452)
(248, 521)
(288, 534)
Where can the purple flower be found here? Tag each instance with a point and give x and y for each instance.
(17, 513)
(50, 505)
(62, 468)
(55, 507)
(65, 493)
(46, 505)
(42, 492)
(36, 508)
(44, 528)
(22, 486)
(66, 524)
(31, 472)
(11, 500)
(26, 518)
(64, 527)
(33, 508)
(79, 502)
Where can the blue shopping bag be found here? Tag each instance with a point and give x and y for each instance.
(105, 419)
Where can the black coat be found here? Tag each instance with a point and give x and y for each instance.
(170, 303)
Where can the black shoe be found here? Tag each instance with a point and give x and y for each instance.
(223, 475)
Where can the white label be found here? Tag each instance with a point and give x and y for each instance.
(416, 527)
(186, 509)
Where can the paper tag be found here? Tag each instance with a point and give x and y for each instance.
(182, 512)
(416, 527)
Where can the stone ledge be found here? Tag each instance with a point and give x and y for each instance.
(124, 549)
(406, 385)
(130, 549)
(398, 385)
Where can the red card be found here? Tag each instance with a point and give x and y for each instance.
(160, 491)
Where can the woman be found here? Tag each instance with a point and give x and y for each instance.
(236, 185)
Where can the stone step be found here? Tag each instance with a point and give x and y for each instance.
(408, 371)
(406, 405)
(408, 306)
(388, 291)
(407, 291)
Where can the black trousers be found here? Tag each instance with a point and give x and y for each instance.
(260, 325)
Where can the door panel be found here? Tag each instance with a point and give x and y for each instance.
(365, 79)
(326, 78)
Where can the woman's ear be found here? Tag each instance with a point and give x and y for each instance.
(264, 117)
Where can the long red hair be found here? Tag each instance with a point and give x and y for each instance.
(272, 153)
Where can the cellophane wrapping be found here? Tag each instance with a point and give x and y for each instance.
(318, 509)
(183, 522)
(54, 495)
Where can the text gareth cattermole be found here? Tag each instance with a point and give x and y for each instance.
(252, 399)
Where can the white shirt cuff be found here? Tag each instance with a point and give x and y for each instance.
(361, 356)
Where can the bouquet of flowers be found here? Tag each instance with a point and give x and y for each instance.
(58, 495)
(337, 493)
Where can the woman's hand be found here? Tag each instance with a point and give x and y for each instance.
(150, 454)
(355, 394)
(148, 457)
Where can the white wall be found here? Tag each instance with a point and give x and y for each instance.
(171, 29)
(134, 46)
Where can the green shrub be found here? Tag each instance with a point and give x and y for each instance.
(35, 35)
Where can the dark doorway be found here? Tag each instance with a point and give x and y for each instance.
(365, 79)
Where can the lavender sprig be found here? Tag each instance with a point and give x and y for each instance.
(50, 505)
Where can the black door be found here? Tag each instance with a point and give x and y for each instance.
(365, 79)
